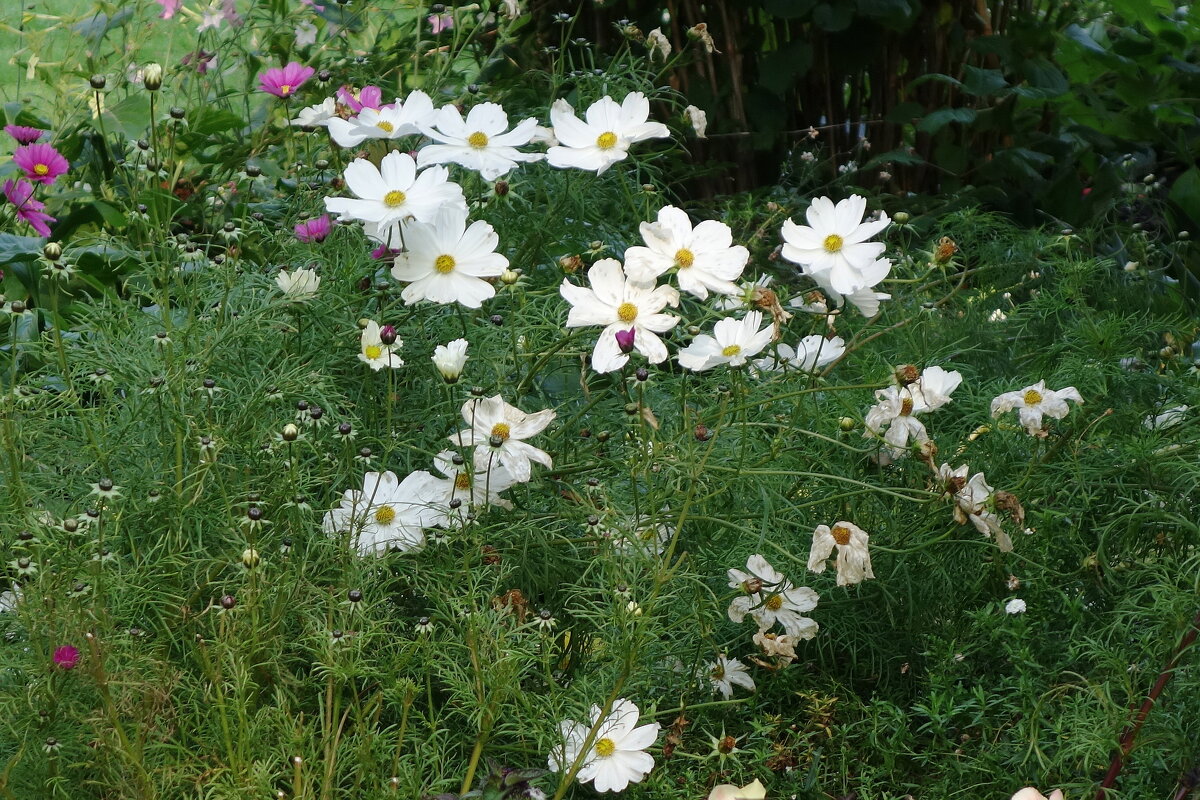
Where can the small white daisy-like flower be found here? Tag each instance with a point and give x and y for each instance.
(317, 116)
(498, 431)
(810, 353)
(618, 754)
(424, 626)
(733, 343)
(605, 138)
(769, 597)
(628, 310)
(725, 673)
(387, 513)
(446, 261)
(394, 192)
(1015, 606)
(1033, 402)
(299, 286)
(373, 352)
(704, 257)
(833, 248)
(853, 557)
(481, 142)
(450, 359)
(389, 122)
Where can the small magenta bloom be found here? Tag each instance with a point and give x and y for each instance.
(367, 97)
(439, 23)
(169, 7)
(20, 194)
(625, 340)
(382, 252)
(66, 657)
(313, 230)
(284, 81)
(41, 162)
(24, 134)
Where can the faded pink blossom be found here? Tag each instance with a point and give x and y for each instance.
(440, 22)
(40, 162)
(20, 194)
(169, 7)
(366, 97)
(306, 34)
(66, 657)
(313, 230)
(284, 81)
(23, 133)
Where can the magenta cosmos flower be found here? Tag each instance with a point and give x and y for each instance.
(66, 657)
(23, 133)
(20, 194)
(313, 230)
(366, 97)
(41, 162)
(284, 81)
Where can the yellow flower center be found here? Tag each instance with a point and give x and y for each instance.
(774, 602)
(833, 243)
(41, 169)
(718, 672)
(385, 126)
(606, 140)
(478, 139)
(384, 515)
(906, 406)
(444, 263)
(605, 747)
(372, 351)
(285, 89)
(684, 258)
(463, 481)
(502, 430)
(731, 350)
(1032, 397)
(394, 198)
(627, 312)
(841, 535)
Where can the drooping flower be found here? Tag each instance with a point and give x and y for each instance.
(893, 410)
(617, 757)
(284, 81)
(480, 142)
(450, 359)
(313, 230)
(811, 352)
(605, 138)
(974, 504)
(447, 261)
(727, 791)
(853, 557)
(498, 430)
(725, 673)
(776, 645)
(769, 597)
(66, 657)
(316, 116)
(394, 192)
(656, 42)
(386, 122)
(620, 305)
(734, 342)
(833, 247)
(373, 351)
(24, 134)
(20, 194)
(41, 163)
(1033, 402)
(704, 257)
(386, 514)
(299, 286)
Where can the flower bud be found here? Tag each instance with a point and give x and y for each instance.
(152, 77)
(98, 82)
(290, 432)
(387, 334)
(250, 558)
(509, 277)
(228, 602)
(625, 340)
(847, 424)
(901, 217)
(907, 374)
(52, 251)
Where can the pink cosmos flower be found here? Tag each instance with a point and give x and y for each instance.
(367, 97)
(313, 230)
(20, 194)
(284, 81)
(66, 657)
(169, 7)
(24, 134)
(382, 252)
(41, 162)
(440, 22)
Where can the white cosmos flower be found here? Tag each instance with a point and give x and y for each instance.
(450, 359)
(298, 286)
(317, 116)
(446, 261)
(811, 352)
(622, 306)
(1015, 606)
(773, 645)
(10, 598)
(394, 192)
(498, 430)
(389, 122)
(866, 299)
(705, 257)
(605, 137)
(387, 514)
(853, 557)
(1033, 402)
(734, 342)
(833, 248)
(1167, 419)
(727, 791)
(373, 352)
(725, 673)
(769, 598)
(465, 482)
(480, 142)
(933, 388)
(617, 757)
(894, 409)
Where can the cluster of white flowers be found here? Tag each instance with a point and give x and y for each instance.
(893, 419)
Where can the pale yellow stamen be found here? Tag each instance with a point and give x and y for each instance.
(606, 140)
(627, 312)
(774, 602)
(502, 430)
(731, 350)
(605, 747)
(1032, 397)
(384, 515)
(684, 258)
(444, 264)
(385, 126)
(394, 198)
(478, 139)
(833, 243)
(285, 89)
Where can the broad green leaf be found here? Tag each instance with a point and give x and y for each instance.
(934, 122)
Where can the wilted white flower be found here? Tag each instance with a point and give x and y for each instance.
(853, 557)
(725, 673)
(656, 42)
(727, 791)
(1167, 419)
(781, 645)
(1033, 402)
(1015, 606)
(618, 754)
(769, 597)
(698, 119)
